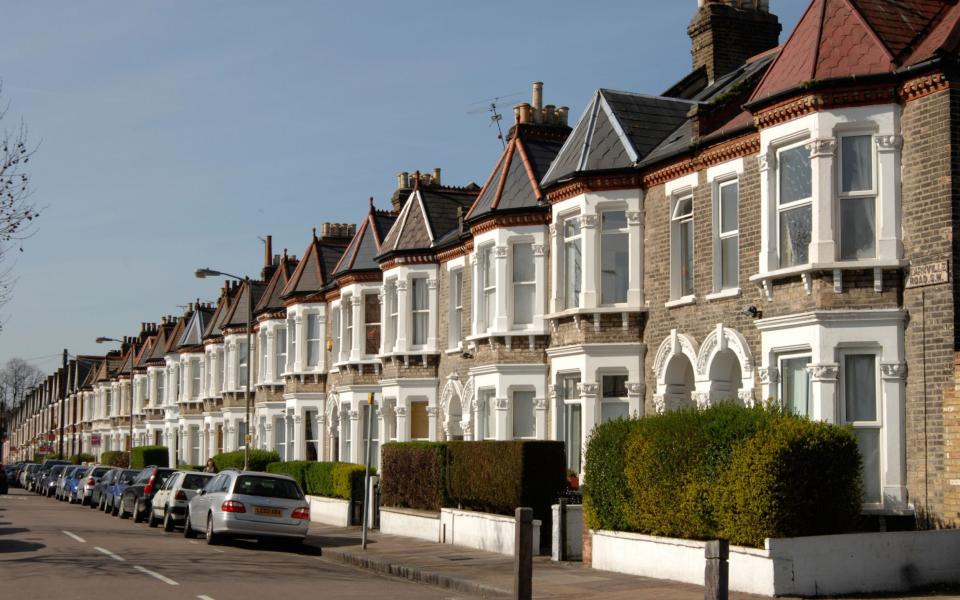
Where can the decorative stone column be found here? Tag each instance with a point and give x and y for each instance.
(403, 426)
(823, 387)
(501, 256)
(590, 411)
(434, 429)
(269, 434)
(889, 245)
(357, 338)
(589, 298)
(769, 257)
(556, 286)
(893, 435)
(635, 397)
(769, 382)
(540, 413)
(404, 327)
(502, 418)
(635, 276)
(540, 306)
(321, 430)
(822, 238)
(299, 439)
(432, 325)
(467, 427)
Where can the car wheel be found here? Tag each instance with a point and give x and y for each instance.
(137, 515)
(167, 520)
(212, 538)
(152, 521)
(115, 509)
(188, 531)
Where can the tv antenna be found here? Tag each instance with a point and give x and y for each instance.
(490, 106)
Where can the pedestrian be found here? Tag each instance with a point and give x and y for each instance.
(211, 467)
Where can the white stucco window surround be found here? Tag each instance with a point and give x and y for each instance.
(346, 426)
(590, 271)
(724, 181)
(141, 387)
(846, 353)
(359, 323)
(271, 349)
(238, 360)
(457, 328)
(510, 267)
(516, 408)
(191, 384)
(410, 409)
(830, 194)
(690, 374)
(410, 310)
(305, 333)
(304, 406)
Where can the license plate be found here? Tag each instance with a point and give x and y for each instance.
(266, 511)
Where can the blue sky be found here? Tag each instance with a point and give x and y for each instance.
(173, 134)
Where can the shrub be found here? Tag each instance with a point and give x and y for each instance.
(294, 468)
(115, 458)
(605, 493)
(149, 456)
(259, 459)
(348, 480)
(414, 475)
(190, 467)
(82, 458)
(319, 479)
(795, 478)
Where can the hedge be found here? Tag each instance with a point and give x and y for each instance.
(190, 467)
(329, 479)
(294, 468)
(82, 458)
(744, 474)
(259, 459)
(149, 456)
(114, 458)
(414, 475)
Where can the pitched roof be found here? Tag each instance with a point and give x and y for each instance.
(192, 334)
(227, 293)
(515, 181)
(429, 213)
(366, 243)
(174, 334)
(236, 315)
(617, 130)
(844, 38)
(146, 349)
(271, 298)
(315, 268)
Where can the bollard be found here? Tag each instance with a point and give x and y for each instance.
(717, 572)
(523, 555)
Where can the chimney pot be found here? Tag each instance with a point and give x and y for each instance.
(524, 113)
(403, 180)
(436, 176)
(537, 101)
(267, 251)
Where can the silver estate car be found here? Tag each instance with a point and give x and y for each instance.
(249, 504)
(169, 505)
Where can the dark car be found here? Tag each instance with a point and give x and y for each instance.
(137, 497)
(4, 486)
(99, 494)
(51, 479)
(114, 491)
(41, 479)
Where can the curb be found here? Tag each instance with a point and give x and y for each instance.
(418, 575)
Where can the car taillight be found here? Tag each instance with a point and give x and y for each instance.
(180, 495)
(233, 506)
(301, 513)
(149, 487)
(91, 481)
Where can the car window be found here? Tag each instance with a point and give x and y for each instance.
(144, 476)
(162, 477)
(128, 476)
(267, 487)
(214, 485)
(99, 471)
(195, 481)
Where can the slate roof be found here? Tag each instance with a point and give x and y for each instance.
(315, 269)
(366, 243)
(844, 38)
(227, 293)
(429, 213)
(617, 130)
(236, 315)
(271, 299)
(88, 367)
(514, 183)
(199, 320)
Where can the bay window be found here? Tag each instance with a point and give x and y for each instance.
(524, 423)
(614, 257)
(858, 375)
(392, 316)
(794, 205)
(161, 388)
(242, 364)
(310, 434)
(313, 340)
(194, 380)
(857, 198)
(488, 417)
(795, 385)
(420, 311)
(489, 288)
(572, 262)
(569, 415)
(524, 284)
(280, 340)
(335, 334)
(681, 246)
(613, 403)
(262, 348)
(346, 317)
(456, 308)
(279, 437)
(371, 324)
(292, 342)
(728, 236)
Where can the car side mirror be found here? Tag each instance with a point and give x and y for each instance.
(202, 492)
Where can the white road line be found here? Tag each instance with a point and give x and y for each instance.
(74, 536)
(110, 554)
(156, 575)
(193, 542)
(219, 550)
(202, 597)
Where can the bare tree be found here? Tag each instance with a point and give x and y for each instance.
(17, 211)
(17, 377)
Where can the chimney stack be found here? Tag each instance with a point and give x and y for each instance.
(537, 100)
(725, 33)
(268, 251)
(536, 112)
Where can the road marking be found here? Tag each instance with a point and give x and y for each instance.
(218, 550)
(110, 554)
(156, 575)
(193, 542)
(74, 536)
(202, 597)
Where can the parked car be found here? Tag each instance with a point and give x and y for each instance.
(27, 475)
(42, 483)
(90, 480)
(51, 479)
(4, 483)
(99, 494)
(113, 492)
(10, 472)
(72, 483)
(169, 504)
(249, 504)
(63, 482)
(136, 499)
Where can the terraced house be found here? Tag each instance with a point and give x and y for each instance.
(778, 226)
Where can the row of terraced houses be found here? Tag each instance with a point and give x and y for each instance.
(781, 225)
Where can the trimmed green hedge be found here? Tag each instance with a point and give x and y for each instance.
(329, 479)
(190, 467)
(294, 468)
(414, 475)
(259, 459)
(744, 474)
(82, 458)
(149, 456)
(114, 458)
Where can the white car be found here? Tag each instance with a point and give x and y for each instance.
(170, 503)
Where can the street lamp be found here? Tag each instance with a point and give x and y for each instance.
(203, 274)
(133, 352)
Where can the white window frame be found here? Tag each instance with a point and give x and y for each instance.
(781, 208)
(280, 350)
(532, 283)
(346, 327)
(624, 400)
(314, 344)
(720, 235)
(393, 316)
(291, 343)
(525, 389)
(195, 380)
(877, 423)
(262, 352)
(489, 405)
(601, 236)
(423, 313)
(455, 334)
(677, 293)
(781, 395)
(367, 325)
(873, 192)
(568, 303)
(487, 312)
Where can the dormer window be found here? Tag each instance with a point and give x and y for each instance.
(420, 311)
(794, 205)
(858, 198)
(572, 265)
(681, 246)
(524, 284)
(313, 340)
(614, 256)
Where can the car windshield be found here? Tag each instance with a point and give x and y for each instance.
(56, 470)
(127, 476)
(162, 477)
(195, 481)
(267, 487)
(99, 471)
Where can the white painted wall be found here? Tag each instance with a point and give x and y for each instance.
(410, 523)
(329, 511)
(483, 531)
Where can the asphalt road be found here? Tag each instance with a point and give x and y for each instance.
(51, 549)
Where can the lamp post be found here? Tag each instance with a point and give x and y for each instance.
(207, 272)
(133, 351)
